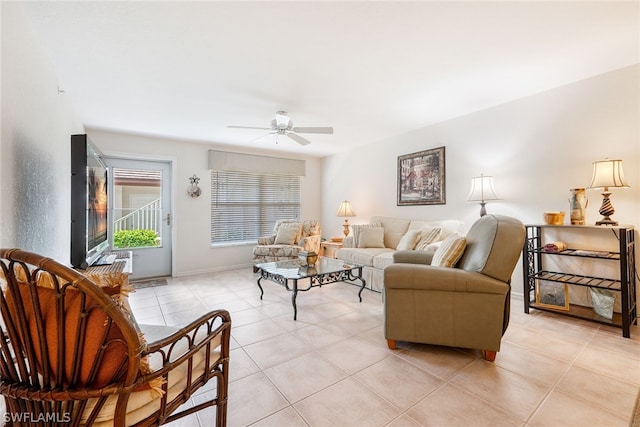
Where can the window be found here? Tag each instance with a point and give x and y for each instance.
(246, 205)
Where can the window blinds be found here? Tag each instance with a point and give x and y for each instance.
(246, 205)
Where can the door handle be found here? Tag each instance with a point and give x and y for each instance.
(168, 219)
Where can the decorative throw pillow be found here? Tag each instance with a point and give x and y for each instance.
(409, 240)
(356, 231)
(428, 235)
(287, 235)
(371, 238)
(450, 251)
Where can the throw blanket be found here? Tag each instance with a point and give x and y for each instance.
(555, 247)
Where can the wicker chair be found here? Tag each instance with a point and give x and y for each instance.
(72, 354)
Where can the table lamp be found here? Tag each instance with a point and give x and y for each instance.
(607, 173)
(482, 191)
(345, 211)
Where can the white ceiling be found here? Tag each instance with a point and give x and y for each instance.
(371, 70)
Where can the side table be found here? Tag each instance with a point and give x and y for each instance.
(328, 249)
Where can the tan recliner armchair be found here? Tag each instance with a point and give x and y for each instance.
(466, 306)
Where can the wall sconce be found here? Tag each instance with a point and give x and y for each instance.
(345, 210)
(607, 173)
(194, 190)
(482, 191)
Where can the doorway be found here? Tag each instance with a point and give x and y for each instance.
(139, 208)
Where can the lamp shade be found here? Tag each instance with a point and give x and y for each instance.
(482, 189)
(345, 209)
(607, 173)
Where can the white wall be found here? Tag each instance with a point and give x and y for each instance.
(191, 217)
(537, 148)
(37, 123)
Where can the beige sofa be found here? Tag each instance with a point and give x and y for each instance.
(375, 259)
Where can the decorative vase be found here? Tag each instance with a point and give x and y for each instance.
(578, 205)
(307, 258)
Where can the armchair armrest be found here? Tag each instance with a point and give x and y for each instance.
(208, 331)
(412, 257)
(267, 240)
(310, 243)
(427, 277)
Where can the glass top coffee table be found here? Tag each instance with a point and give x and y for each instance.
(325, 271)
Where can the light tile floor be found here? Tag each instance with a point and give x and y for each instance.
(332, 366)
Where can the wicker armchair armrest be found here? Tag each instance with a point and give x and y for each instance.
(199, 334)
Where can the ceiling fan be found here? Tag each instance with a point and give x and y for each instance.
(282, 125)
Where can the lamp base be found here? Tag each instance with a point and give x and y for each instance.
(346, 227)
(483, 210)
(606, 210)
(606, 221)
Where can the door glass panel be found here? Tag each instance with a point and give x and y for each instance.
(137, 208)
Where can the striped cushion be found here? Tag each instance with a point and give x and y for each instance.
(450, 251)
(428, 235)
(409, 240)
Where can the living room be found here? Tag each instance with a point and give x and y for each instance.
(537, 147)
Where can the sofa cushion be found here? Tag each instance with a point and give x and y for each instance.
(428, 235)
(450, 251)
(358, 227)
(371, 238)
(449, 226)
(383, 260)
(394, 229)
(287, 235)
(409, 240)
(290, 251)
(362, 256)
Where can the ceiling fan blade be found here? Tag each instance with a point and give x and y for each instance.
(297, 138)
(248, 127)
(263, 136)
(313, 130)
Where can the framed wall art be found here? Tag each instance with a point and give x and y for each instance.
(421, 178)
(552, 295)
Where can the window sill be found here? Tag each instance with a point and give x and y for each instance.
(231, 244)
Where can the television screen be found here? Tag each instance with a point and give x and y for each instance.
(96, 200)
(89, 203)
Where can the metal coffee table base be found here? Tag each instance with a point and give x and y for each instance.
(316, 280)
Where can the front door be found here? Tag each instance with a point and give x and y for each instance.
(140, 213)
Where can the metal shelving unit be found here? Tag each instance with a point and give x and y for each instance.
(533, 256)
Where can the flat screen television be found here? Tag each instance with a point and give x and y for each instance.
(89, 203)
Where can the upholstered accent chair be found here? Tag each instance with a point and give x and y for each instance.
(462, 306)
(71, 352)
(290, 236)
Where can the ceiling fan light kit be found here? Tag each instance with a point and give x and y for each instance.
(282, 125)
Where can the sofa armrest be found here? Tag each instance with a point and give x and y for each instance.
(427, 277)
(266, 240)
(412, 257)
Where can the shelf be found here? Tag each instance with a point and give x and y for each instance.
(582, 312)
(534, 258)
(577, 279)
(583, 253)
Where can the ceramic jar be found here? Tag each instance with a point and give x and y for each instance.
(578, 205)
